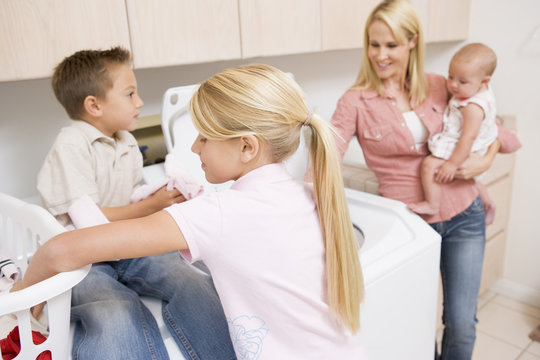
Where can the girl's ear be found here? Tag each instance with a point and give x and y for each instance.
(250, 148)
(91, 106)
(486, 79)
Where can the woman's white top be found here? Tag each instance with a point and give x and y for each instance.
(417, 128)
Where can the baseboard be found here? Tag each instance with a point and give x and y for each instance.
(517, 291)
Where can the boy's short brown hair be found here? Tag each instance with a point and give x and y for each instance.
(86, 72)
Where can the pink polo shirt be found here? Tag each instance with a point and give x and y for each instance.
(389, 147)
(262, 241)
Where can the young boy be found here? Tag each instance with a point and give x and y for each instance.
(96, 156)
(469, 126)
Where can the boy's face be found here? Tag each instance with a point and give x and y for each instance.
(465, 79)
(120, 108)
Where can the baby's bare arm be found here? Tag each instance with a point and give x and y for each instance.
(472, 120)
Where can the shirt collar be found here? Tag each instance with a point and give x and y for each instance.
(265, 174)
(369, 94)
(90, 131)
(94, 134)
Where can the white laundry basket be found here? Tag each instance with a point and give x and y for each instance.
(23, 227)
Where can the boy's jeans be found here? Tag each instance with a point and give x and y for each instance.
(112, 323)
(462, 254)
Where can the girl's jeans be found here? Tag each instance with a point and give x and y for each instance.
(462, 254)
(112, 323)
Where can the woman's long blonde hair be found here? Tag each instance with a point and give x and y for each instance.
(400, 16)
(263, 101)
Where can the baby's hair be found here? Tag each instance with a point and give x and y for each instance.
(86, 72)
(478, 54)
(261, 100)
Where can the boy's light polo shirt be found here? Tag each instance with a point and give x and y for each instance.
(83, 161)
(262, 242)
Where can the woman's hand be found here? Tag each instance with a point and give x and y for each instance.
(477, 164)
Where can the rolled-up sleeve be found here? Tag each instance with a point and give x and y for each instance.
(344, 122)
(509, 141)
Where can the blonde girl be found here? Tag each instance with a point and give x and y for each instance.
(283, 254)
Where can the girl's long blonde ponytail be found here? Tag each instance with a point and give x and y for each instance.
(344, 275)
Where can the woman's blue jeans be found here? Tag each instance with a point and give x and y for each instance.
(112, 323)
(462, 255)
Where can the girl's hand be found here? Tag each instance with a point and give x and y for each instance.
(445, 173)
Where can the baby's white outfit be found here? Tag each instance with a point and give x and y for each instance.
(442, 144)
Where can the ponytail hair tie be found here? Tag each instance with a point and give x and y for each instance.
(308, 119)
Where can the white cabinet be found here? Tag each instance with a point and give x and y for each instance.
(174, 32)
(278, 27)
(36, 35)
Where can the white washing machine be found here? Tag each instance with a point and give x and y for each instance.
(399, 255)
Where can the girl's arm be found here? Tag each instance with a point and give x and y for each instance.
(151, 235)
(472, 120)
(158, 201)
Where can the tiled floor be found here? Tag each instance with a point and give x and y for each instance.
(503, 328)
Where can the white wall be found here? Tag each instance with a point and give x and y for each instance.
(509, 27)
(31, 117)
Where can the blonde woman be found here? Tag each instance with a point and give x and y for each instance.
(392, 109)
(283, 254)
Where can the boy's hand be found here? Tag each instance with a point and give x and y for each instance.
(164, 198)
(446, 172)
(35, 310)
(17, 286)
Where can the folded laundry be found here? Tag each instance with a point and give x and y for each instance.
(9, 273)
(177, 178)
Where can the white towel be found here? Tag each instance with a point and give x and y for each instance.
(177, 178)
(9, 273)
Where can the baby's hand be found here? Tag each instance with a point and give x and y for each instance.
(446, 172)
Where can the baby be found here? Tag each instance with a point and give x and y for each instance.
(469, 126)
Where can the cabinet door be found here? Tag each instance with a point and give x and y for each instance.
(443, 20)
(448, 20)
(422, 10)
(278, 27)
(173, 32)
(36, 35)
(343, 23)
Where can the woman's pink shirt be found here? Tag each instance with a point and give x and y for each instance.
(389, 148)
